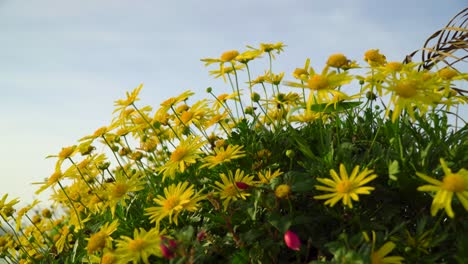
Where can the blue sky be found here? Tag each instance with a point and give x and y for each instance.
(64, 63)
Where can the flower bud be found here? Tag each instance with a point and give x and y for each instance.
(201, 235)
(292, 240)
(255, 97)
(242, 185)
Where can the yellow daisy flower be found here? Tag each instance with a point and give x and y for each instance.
(344, 187)
(140, 248)
(266, 176)
(102, 239)
(6, 208)
(324, 85)
(223, 155)
(119, 191)
(231, 187)
(338, 61)
(176, 199)
(185, 154)
(226, 57)
(452, 183)
(131, 98)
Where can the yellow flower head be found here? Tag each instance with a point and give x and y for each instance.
(176, 199)
(183, 155)
(338, 61)
(394, 66)
(229, 55)
(452, 183)
(318, 82)
(140, 247)
(374, 58)
(447, 73)
(344, 187)
(223, 155)
(228, 188)
(283, 191)
(101, 239)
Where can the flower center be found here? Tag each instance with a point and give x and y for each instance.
(171, 203)
(97, 242)
(229, 55)
(186, 117)
(120, 189)
(344, 186)
(406, 89)
(178, 154)
(108, 259)
(453, 183)
(318, 82)
(230, 190)
(137, 245)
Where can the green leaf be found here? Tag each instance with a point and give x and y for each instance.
(332, 108)
(393, 169)
(282, 223)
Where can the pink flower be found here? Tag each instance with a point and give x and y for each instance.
(201, 235)
(292, 240)
(168, 247)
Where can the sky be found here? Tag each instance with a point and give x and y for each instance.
(63, 63)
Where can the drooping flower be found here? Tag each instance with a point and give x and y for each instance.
(139, 248)
(176, 199)
(292, 240)
(344, 187)
(452, 183)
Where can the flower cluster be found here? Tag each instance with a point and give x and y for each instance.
(241, 176)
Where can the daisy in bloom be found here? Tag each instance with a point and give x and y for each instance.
(227, 57)
(102, 238)
(231, 187)
(131, 98)
(323, 86)
(412, 89)
(223, 155)
(344, 187)
(166, 105)
(185, 154)
(452, 183)
(119, 191)
(266, 176)
(6, 208)
(269, 47)
(176, 199)
(140, 247)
